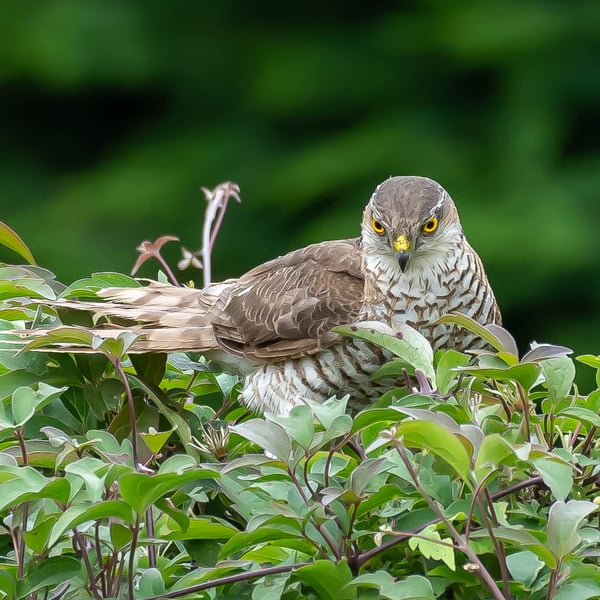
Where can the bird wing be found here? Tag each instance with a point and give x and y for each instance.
(283, 308)
(287, 306)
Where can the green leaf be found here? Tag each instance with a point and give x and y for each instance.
(88, 469)
(140, 490)
(329, 411)
(177, 463)
(557, 475)
(559, 374)
(71, 336)
(37, 538)
(11, 240)
(267, 435)
(474, 327)
(520, 538)
(327, 579)
(298, 425)
(155, 440)
(362, 475)
(77, 514)
(526, 374)
(151, 583)
(401, 340)
(88, 286)
(445, 374)
(270, 587)
(341, 426)
(434, 546)
(582, 589)
(494, 451)
(564, 520)
(26, 401)
(374, 416)
(524, 567)
(27, 488)
(266, 535)
(12, 380)
(50, 572)
(413, 587)
(199, 529)
(150, 366)
(8, 581)
(582, 414)
(591, 361)
(120, 536)
(436, 439)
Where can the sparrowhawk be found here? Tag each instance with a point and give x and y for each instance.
(274, 324)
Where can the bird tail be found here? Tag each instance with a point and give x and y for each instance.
(163, 318)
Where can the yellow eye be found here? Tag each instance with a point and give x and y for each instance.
(377, 226)
(431, 225)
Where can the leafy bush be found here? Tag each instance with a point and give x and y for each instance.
(142, 477)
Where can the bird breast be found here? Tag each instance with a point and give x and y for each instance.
(431, 287)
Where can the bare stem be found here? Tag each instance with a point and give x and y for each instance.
(205, 585)
(525, 408)
(130, 570)
(150, 530)
(86, 561)
(168, 271)
(215, 209)
(20, 539)
(497, 543)
(116, 361)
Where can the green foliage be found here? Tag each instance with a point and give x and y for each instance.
(144, 478)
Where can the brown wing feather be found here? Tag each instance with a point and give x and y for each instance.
(282, 308)
(287, 306)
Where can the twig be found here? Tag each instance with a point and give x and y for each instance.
(149, 250)
(525, 407)
(132, 549)
(116, 361)
(151, 545)
(213, 583)
(21, 539)
(497, 543)
(86, 561)
(215, 210)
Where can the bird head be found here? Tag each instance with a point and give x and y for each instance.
(410, 222)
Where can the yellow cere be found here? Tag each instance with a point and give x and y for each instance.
(401, 244)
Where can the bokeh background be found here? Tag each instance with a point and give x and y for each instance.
(113, 113)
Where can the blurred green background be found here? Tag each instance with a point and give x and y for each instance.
(113, 113)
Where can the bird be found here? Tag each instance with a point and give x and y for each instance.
(275, 324)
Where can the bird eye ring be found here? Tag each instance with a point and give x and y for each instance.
(377, 226)
(431, 225)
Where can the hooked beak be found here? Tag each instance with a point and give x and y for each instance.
(402, 247)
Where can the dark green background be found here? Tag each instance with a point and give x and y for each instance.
(113, 113)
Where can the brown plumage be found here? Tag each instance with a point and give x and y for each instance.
(412, 263)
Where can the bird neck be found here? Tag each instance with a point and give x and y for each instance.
(388, 290)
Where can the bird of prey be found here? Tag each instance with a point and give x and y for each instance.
(411, 264)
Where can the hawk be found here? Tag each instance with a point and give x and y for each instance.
(411, 263)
